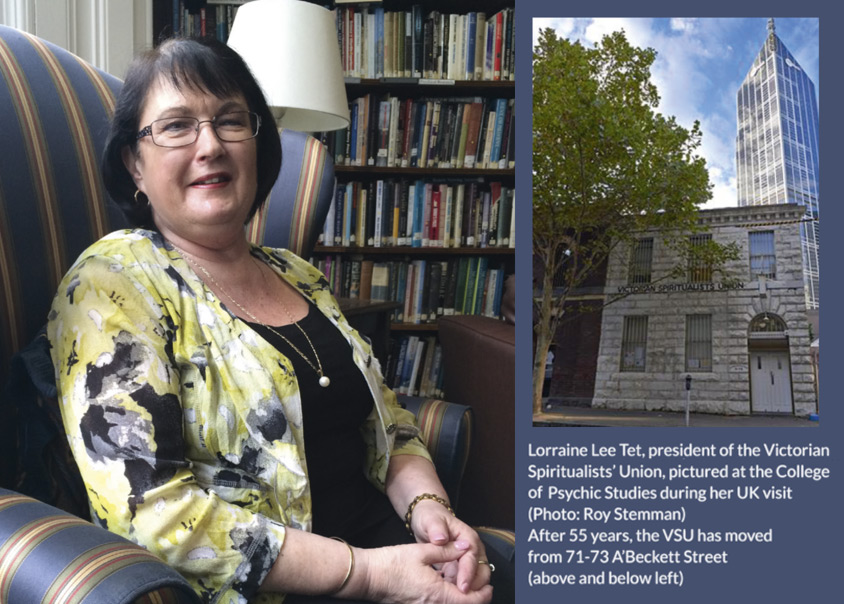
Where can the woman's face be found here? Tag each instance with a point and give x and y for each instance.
(199, 190)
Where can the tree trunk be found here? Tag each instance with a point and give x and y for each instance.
(549, 315)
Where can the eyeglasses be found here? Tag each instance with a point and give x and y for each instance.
(232, 127)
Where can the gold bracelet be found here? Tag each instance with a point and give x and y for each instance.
(409, 515)
(351, 566)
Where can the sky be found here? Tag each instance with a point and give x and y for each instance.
(699, 67)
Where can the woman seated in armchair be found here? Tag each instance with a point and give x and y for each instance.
(223, 413)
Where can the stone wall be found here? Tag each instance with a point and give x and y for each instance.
(725, 389)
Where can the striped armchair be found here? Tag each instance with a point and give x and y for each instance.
(54, 110)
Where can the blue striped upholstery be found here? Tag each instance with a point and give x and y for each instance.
(47, 555)
(446, 430)
(293, 216)
(55, 110)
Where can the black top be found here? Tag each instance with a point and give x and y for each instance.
(342, 497)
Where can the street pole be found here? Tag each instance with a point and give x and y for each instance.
(688, 397)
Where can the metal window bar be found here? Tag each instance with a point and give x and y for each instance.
(641, 261)
(634, 343)
(700, 271)
(698, 342)
(762, 254)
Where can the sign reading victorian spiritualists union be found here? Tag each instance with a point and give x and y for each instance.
(669, 288)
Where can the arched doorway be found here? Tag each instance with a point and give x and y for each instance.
(770, 365)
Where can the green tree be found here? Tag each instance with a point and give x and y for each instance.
(606, 166)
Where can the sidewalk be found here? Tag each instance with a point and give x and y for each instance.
(585, 417)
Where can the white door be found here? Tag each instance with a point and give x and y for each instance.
(770, 382)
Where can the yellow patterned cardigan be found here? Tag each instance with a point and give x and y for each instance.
(186, 424)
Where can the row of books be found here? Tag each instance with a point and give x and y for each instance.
(425, 289)
(414, 366)
(394, 213)
(375, 43)
(193, 19)
(463, 132)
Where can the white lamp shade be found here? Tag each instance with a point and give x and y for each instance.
(291, 48)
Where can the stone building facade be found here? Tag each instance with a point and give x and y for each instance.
(745, 343)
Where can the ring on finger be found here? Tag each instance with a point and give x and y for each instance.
(488, 563)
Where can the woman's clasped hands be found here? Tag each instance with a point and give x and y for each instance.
(408, 574)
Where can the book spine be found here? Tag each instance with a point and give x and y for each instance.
(408, 44)
(418, 214)
(457, 239)
(512, 243)
(435, 216)
(450, 288)
(379, 212)
(401, 292)
(495, 202)
(447, 222)
(328, 226)
(504, 212)
(404, 210)
(498, 132)
(480, 38)
(430, 158)
(339, 194)
(496, 65)
(471, 37)
(354, 278)
(485, 212)
(406, 112)
(393, 139)
(470, 212)
(360, 217)
(418, 39)
(511, 44)
(396, 213)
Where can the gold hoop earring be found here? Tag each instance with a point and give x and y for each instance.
(138, 192)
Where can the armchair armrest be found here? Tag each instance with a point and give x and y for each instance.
(446, 430)
(49, 555)
(500, 547)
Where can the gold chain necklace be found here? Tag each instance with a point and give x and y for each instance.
(324, 380)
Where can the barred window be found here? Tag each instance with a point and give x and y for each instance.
(700, 270)
(698, 342)
(634, 343)
(641, 259)
(763, 260)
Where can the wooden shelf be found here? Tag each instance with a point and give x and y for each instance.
(416, 87)
(506, 174)
(405, 250)
(414, 327)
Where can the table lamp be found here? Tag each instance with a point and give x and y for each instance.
(291, 48)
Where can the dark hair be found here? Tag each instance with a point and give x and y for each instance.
(204, 65)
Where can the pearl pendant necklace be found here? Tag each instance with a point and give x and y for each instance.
(324, 380)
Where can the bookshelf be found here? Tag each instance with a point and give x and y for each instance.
(377, 160)
(424, 206)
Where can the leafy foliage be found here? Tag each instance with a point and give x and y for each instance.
(606, 167)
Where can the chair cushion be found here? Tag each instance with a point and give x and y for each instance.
(36, 456)
(47, 555)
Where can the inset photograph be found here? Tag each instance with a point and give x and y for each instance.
(675, 222)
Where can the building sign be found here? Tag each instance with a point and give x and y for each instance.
(670, 288)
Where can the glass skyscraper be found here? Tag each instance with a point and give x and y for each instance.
(777, 144)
